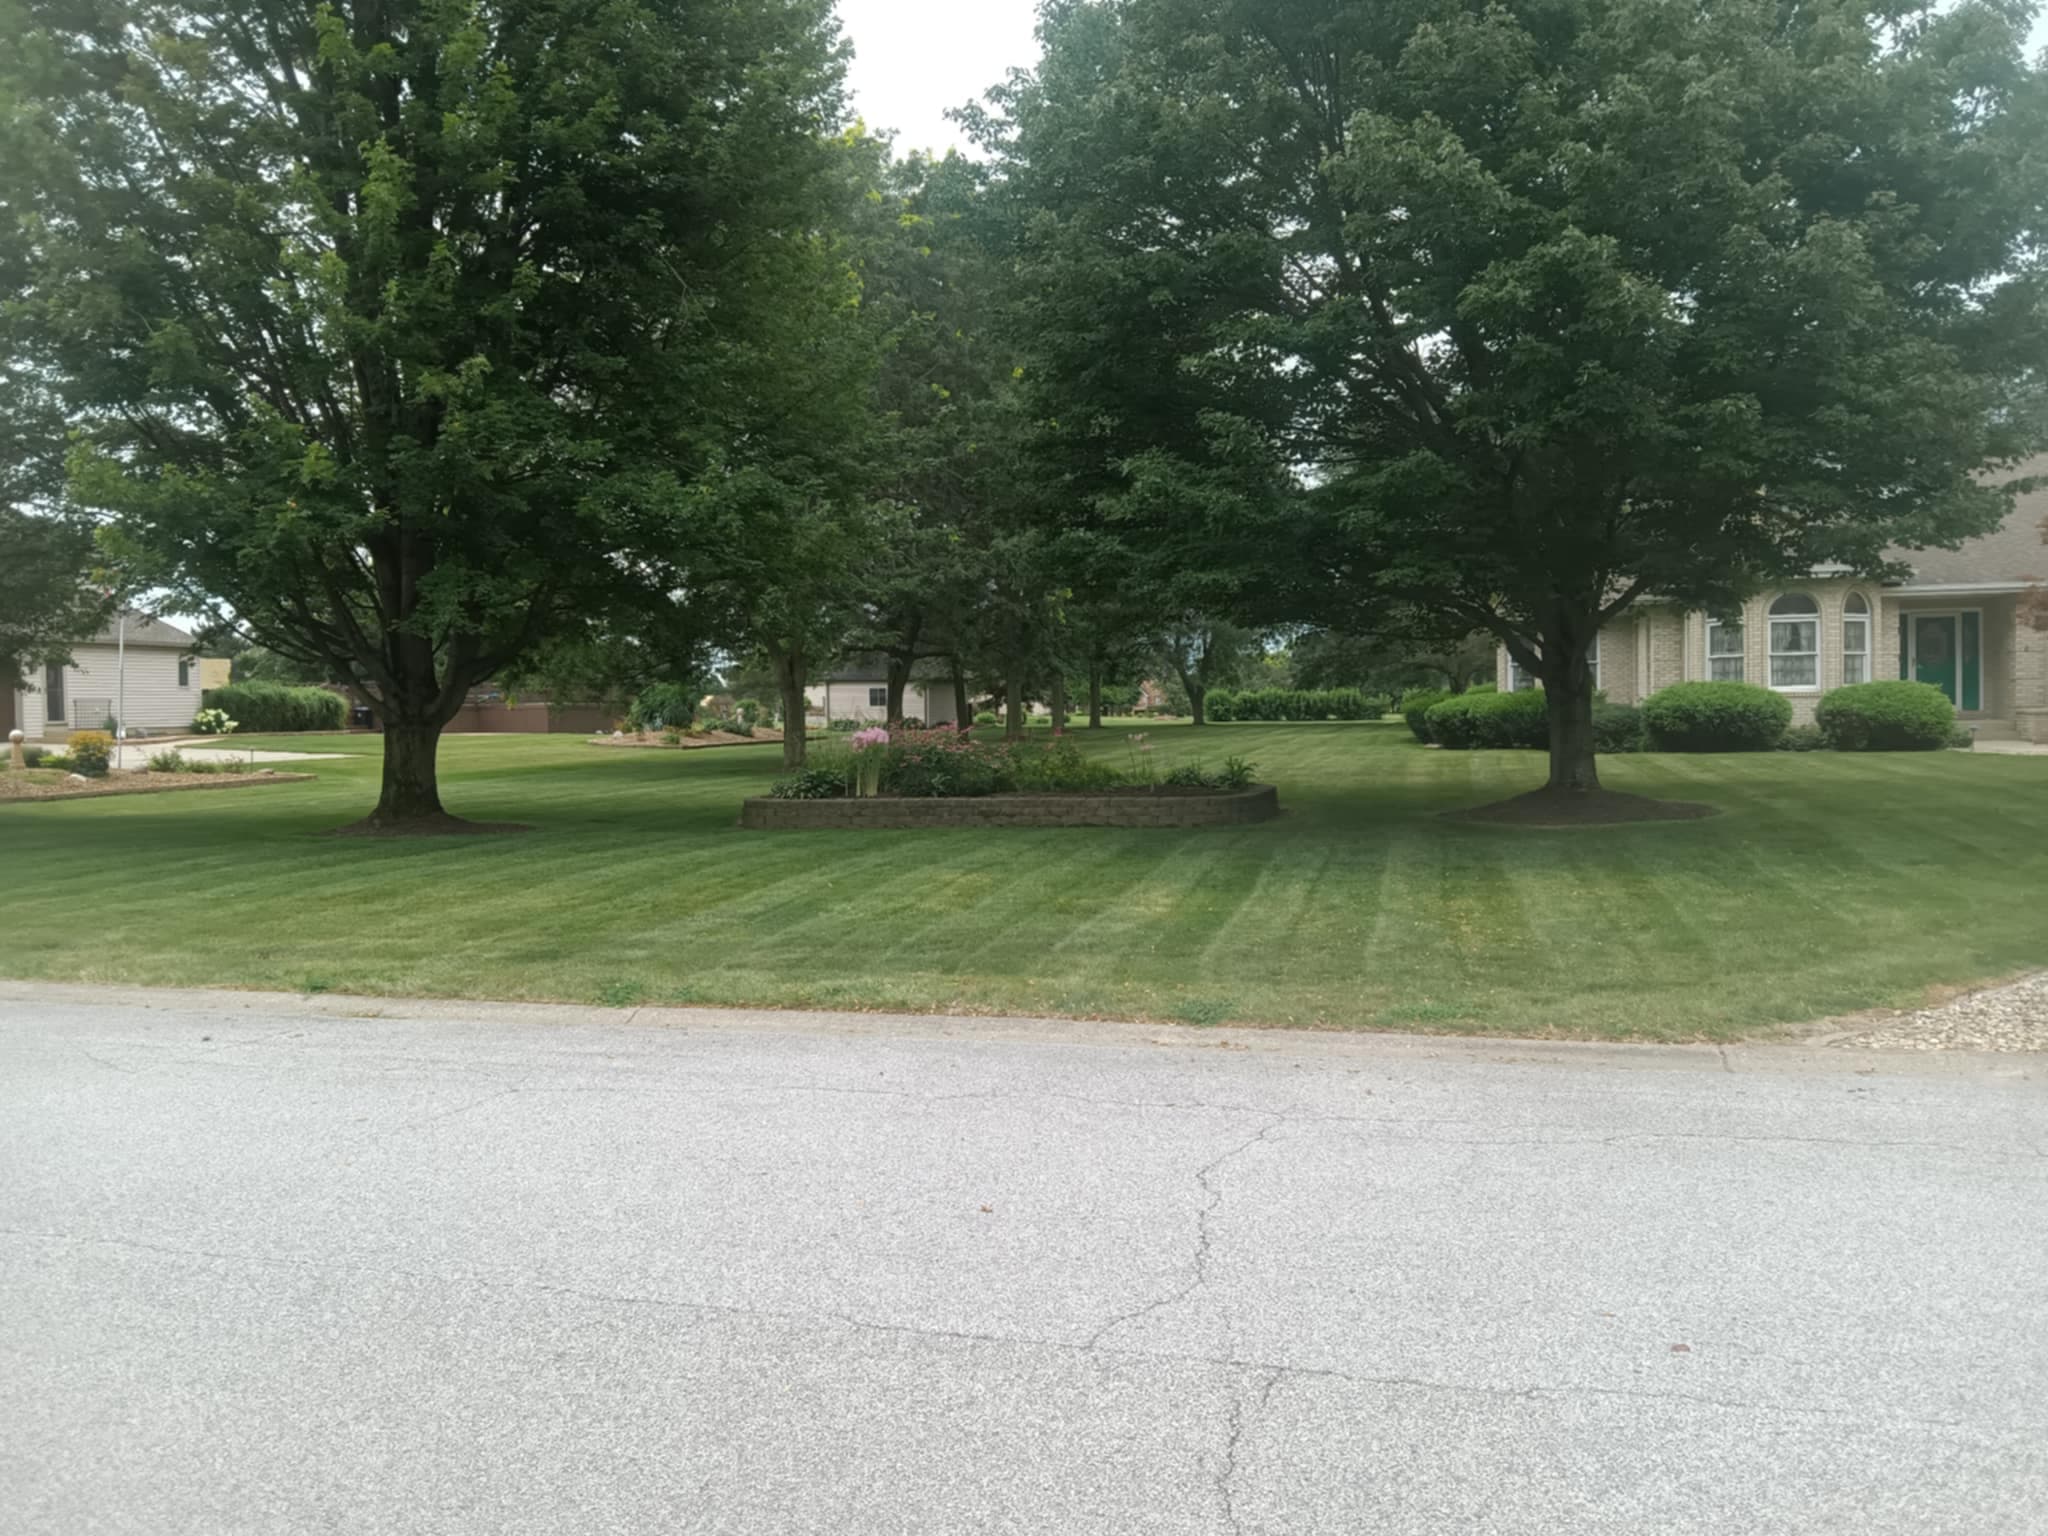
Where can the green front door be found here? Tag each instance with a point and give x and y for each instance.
(1934, 651)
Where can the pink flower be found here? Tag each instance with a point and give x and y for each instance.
(873, 736)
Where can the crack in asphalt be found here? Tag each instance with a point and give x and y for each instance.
(1277, 1369)
(1198, 1265)
(1226, 1479)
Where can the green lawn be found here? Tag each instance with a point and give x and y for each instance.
(1830, 883)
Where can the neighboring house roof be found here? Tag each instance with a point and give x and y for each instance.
(871, 667)
(2012, 554)
(146, 631)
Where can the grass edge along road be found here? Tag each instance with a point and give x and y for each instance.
(1830, 883)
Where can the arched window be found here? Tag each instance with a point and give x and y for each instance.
(1795, 642)
(1856, 639)
(1724, 648)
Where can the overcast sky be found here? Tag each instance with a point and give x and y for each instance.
(915, 59)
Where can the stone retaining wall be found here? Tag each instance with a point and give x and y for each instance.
(1258, 803)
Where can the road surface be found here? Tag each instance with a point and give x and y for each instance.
(291, 1265)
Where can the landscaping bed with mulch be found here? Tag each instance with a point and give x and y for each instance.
(705, 739)
(56, 784)
(1119, 806)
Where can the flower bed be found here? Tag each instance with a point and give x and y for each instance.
(945, 764)
(1117, 807)
(948, 778)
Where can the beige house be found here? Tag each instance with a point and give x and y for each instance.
(859, 690)
(1961, 621)
(140, 669)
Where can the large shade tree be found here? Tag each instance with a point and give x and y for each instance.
(1531, 310)
(394, 328)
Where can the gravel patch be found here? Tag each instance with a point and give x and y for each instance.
(2013, 1017)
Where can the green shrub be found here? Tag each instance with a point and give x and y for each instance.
(1187, 776)
(1295, 704)
(1484, 688)
(1715, 717)
(1802, 738)
(985, 717)
(1962, 736)
(1617, 728)
(274, 707)
(214, 722)
(1886, 717)
(662, 704)
(1415, 706)
(750, 710)
(1236, 773)
(90, 752)
(168, 761)
(1490, 720)
(813, 781)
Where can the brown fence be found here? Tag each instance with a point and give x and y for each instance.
(533, 719)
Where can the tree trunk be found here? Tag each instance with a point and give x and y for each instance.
(962, 716)
(1094, 696)
(1198, 695)
(1059, 701)
(1013, 701)
(412, 788)
(896, 675)
(1569, 702)
(789, 683)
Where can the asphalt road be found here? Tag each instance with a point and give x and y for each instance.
(276, 1265)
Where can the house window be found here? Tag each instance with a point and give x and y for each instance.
(1795, 642)
(53, 693)
(1518, 678)
(184, 673)
(1724, 650)
(1856, 639)
(878, 698)
(1593, 659)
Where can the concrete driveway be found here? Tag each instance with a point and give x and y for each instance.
(280, 1265)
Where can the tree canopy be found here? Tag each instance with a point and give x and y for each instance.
(395, 330)
(1502, 318)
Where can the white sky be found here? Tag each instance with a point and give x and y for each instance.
(914, 60)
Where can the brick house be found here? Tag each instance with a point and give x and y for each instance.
(1961, 621)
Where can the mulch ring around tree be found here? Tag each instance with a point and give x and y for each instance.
(1600, 808)
(31, 784)
(439, 825)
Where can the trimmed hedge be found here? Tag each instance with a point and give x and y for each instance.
(1415, 706)
(274, 707)
(1469, 720)
(1294, 704)
(1886, 717)
(1715, 717)
(1616, 728)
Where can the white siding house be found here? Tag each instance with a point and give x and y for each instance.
(859, 690)
(156, 690)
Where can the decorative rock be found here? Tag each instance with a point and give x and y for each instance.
(76, 778)
(2008, 1018)
(15, 756)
